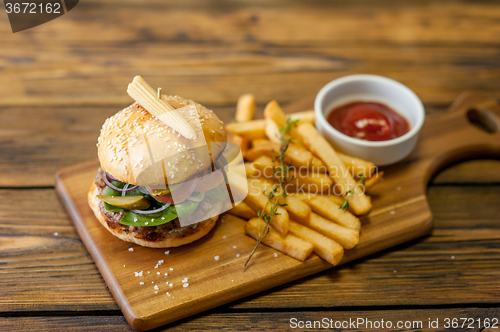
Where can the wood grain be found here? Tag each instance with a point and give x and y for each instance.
(73, 78)
(65, 273)
(400, 194)
(267, 321)
(73, 71)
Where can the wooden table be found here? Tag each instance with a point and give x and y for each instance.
(61, 80)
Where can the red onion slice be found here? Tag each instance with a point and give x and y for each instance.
(125, 189)
(113, 178)
(106, 180)
(147, 212)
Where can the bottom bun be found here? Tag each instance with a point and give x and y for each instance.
(176, 237)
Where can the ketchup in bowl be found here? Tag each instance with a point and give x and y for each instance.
(368, 120)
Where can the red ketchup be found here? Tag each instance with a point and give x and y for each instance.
(368, 120)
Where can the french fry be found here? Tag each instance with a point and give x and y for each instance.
(287, 244)
(336, 200)
(360, 203)
(259, 141)
(243, 143)
(297, 210)
(326, 208)
(256, 199)
(250, 129)
(318, 181)
(299, 157)
(272, 131)
(243, 210)
(306, 116)
(245, 108)
(304, 196)
(324, 247)
(273, 112)
(370, 182)
(346, 237)
(255, 128)
(295, 207)
(357, 166)
(251, 171)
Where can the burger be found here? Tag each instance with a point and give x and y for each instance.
(151, 178)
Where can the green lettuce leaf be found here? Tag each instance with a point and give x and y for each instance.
(219, 193)
(133, 219)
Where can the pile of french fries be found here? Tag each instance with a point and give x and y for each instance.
(310, 218)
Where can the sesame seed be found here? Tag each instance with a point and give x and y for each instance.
(185, 284)
(185, 280)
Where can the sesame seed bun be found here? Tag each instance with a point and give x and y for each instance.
(137, 148)
(176, 237)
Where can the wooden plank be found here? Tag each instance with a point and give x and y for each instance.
(471, 171)
(55, 273)
(235, 53)
(415, 320)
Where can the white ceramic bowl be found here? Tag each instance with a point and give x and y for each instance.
(377, 89)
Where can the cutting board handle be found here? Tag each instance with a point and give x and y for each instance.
(469, 130)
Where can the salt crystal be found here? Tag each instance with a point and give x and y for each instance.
(185, 284)
(392, 212)
(171, 269)
(56, 234)
(216, 258)
(237, 255)
(156, 287)
(168, 251)
(224, 237)
(170, 285)
(234, 247)
(185, 280)
(130, 249)
(141, 283)
(158, 273)
(275, 254)
(452, 257)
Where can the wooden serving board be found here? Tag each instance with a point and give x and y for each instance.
(400, 213)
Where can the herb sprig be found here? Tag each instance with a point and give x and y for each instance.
(349, 193)
(278, 190)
